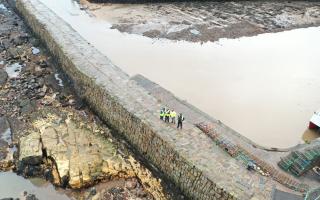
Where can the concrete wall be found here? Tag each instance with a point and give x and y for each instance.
(188, 158)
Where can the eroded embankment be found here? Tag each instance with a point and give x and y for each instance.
(189, 158)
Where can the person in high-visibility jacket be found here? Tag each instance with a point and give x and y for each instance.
(167, 116)
(162, 113)
(173, 116)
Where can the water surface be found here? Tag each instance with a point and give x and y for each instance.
(13, 70)
(265, 87)
(12, 185)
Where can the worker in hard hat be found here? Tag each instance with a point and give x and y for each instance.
(162, 113)
(173, 115)
(180, 120)
(167, 116)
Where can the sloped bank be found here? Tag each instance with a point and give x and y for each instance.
(187, 157)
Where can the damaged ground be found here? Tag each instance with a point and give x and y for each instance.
(203, 21)
(46, 131)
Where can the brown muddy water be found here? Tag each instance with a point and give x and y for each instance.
(265, 87)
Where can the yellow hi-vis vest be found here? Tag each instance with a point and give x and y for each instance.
(173, 114)
(168, 114)
(161, 113)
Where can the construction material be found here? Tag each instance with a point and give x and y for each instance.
(298, 163)
(244, 156)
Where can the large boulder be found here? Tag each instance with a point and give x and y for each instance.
(76, 154)
(30, 149)
(79, 157)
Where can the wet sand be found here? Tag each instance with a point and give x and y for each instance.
(262, 86)
(201, 21)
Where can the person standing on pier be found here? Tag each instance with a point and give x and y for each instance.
(180, 120)
(162, 113)
(167, 116)
(173, 115)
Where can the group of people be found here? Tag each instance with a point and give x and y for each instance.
(168, 115)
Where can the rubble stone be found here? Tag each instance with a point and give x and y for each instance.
(3, 77)
(27, 97)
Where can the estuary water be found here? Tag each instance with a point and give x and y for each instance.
(265, 87)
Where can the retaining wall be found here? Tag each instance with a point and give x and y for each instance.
(188, 158)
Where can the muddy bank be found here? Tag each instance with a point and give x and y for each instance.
(203, 21)
(47, 132)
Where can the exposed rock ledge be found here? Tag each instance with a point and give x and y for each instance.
(77, 155)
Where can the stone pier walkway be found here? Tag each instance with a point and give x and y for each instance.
(195, 116)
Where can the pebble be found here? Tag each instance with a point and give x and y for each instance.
(14, 70)
(17, 41)
(35, 42)
(5, 132)
(41, 94)
(2, 7)
(31, 197)
(141, 193)
(131, 184)
(35, 50)
(194, 31)
(3, 77)
(27, 106)
(93, 191)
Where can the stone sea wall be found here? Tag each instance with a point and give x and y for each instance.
(188, 158)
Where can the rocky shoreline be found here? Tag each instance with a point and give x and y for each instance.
(46, 131)
(205, 21)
